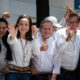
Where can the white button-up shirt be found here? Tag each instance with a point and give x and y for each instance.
(48, 61)
(2, 55)
(69, 50)
(32, 47)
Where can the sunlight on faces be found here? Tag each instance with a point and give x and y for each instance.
(3, 29)
(72, 23)
(46, 30)
(23, 26)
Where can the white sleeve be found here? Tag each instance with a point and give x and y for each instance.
(63, 22)
(35, 47)
(11, 41)
(56, 62)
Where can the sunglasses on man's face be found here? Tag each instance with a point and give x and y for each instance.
(71, 23)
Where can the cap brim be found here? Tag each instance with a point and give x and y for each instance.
(58, 26)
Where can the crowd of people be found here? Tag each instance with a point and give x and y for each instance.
(51, 52)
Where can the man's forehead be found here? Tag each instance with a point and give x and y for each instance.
(47, 24)
(74, 17)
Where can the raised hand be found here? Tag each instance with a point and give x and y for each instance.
(13, 32)
(68, 11)
(44, 47)
(70, 36)
(72, 33)
(34, 29)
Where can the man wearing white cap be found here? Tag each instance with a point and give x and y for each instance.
(47, 64)
(54, 21)
(56, 25)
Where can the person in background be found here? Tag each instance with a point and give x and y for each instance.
(5, 50)
(6, 15)
(63, 20)
(46, 65)
(68, 41)
(23, 46)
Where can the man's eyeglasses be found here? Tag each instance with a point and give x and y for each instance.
(71, 23)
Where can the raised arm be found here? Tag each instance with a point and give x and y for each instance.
(12, 31)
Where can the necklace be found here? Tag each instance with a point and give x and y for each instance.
(23, 50)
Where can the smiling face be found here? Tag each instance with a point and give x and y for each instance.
(3, 29)
(23, 26)
(72, 22)
(46, 30)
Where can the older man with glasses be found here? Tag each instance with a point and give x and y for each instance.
(68, 42)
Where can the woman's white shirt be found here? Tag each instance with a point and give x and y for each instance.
(32, 47)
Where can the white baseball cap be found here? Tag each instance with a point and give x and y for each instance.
(54, 21)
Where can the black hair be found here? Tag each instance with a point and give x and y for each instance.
(4, 39)
(73, 15)
(29, 33)
(3, 20)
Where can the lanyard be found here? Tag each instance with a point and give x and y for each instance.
(23, 50)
